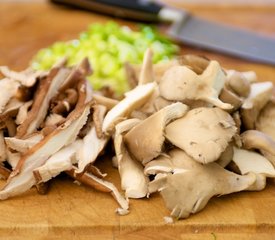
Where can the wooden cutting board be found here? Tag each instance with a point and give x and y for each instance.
(70, 211)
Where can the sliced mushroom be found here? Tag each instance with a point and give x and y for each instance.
(146, 74)
(91, 148)
(179, 83)
(109, 103)
(259, 95)
(203, 133)
(145, 146)
(197, 63)
(22, 145)
(249, 161)
(133, 180)
(8, 90)
(103, 186)
(22, 179)
(27, 77)
(4, 172)
(46, 90)
(133, 99)
(53, 119)
(23, 112)
(62, 160)
(265, 121)
(253, 139)
(3, 154)
(191, 185)
(237, 82)
(98, 117)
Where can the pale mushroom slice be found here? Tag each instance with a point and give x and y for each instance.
(23, 112)
(133, 180)
(23, 145)
(179, 83)
(22, 179)
(191, 185)
(103, 186)
(46, 90)
(13, 157)
(259, 96)
(53, 119)
(253, 139)
(3, 153)
(203, 133)
(8, 88)
(134, 99)
(214, 76)
(91, 148)
(62, 160)
(265, 121)
(26, 78)
(12, 107)
(146, 74)
(249, 161)
(145, 140)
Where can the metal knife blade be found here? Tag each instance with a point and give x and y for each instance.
(188, 29)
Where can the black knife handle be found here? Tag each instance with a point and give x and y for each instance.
(142, 10)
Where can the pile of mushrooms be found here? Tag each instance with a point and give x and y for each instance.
(188, 129)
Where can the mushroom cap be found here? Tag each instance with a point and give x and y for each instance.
(203, 133)
(145, 140)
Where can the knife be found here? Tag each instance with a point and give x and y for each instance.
(187, 28)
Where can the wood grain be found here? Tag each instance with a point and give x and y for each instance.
(70, 211)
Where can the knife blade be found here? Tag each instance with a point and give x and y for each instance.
(187, 28)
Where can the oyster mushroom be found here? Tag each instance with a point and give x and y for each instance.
(179, 83)
(145, 146)
(133, 100)
(22, 179)
(189, 186)
(146, 74)
(249, 161)
(259, 95)
(203, 133)
(197, 63)
(253, 139)
(265, 121)
(230, 97)
(133, 180)
(237, 82)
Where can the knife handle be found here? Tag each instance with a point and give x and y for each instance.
(142, 10)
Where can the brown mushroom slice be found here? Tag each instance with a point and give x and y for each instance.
(12, 107)
(46, 90)
(253, 139)
(203, 133)
(91, 148)
(22, 145)
(23, 112)
(249, 161)
(133, 99)
(265, 121)
(22, 179)
(238, 83)
(146, 74)
(62, 160)
(3, 154)
(145, 146)
(98, 116)
(179, 83)
(26, 78)
(8, 88)
(192, 185)
(259, 95)
(103, 186)
(133, 180)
